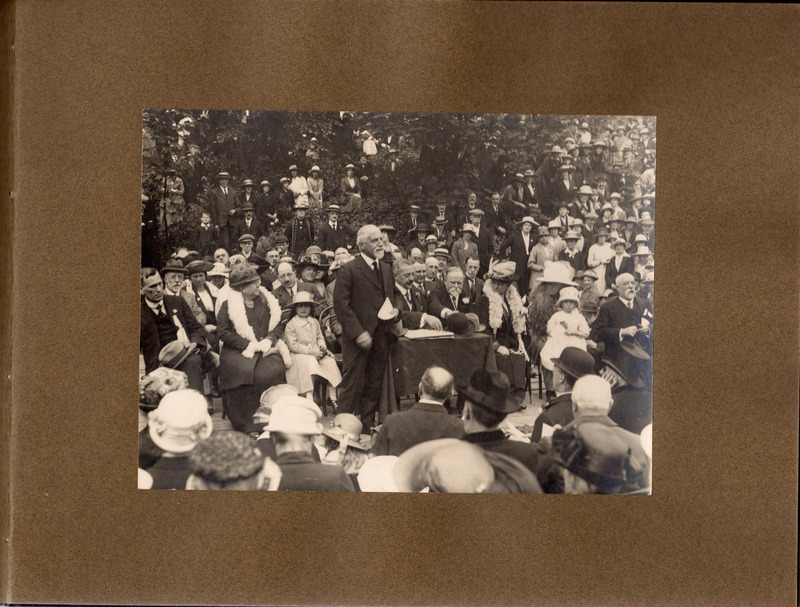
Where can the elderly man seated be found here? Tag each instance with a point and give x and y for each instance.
(448, 297)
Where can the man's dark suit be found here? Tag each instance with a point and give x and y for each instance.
(485, 243)
(150, 342)
(613, 316)
(626, 267)
(285, 297)
(220, 205)
(497, 219)
(411, 315)
(357, 298)
(330, 239)
(577, 260)
(256, 229)
(439, 298)
(497, 442)
(205, 240)
(632, 408)
(557, 411)
(475, 291)
(422, 422)
(514, 249)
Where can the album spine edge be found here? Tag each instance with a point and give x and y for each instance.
(7, 126)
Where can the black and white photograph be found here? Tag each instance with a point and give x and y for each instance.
(397, 302)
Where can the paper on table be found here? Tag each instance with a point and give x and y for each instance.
(429, 334)
(387, 310)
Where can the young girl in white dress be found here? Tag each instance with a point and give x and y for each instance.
(566, 328)
(310, 356)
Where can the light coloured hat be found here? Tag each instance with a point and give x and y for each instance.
(649, 277)
(441, 252)
(446, 465)
(590, 274)
(313, 249)
(247, 182)
(554, 223)
(346, 427)
(303, 297)
(615, 195)
(568, 294)
(585, 189)
(300, 204)
(530, 220)
(543, 231)
(376, 475)
(431, 238)
(557, 272)
(293, 167)
(314, 168)
(295, 415)
(180, 421)
(591, 215)
(642, 250)
(529, 173)
(503, 271)
(265, 182)
(268, 399)
(640, 238)
(571, 235)
(621, 241)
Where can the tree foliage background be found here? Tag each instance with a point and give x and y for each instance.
(442, 157)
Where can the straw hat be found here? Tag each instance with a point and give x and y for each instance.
(568, 294)
(557, 272)
(346, 427)
(295, 415)
(180, 421)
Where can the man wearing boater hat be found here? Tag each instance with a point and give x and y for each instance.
(487, 403)
(223, 203)
(571, 365)
(518, 247)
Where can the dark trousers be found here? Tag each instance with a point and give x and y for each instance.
(193, 367)
(226, 237)
(360, 390)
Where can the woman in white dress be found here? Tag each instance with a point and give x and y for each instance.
(600, 254)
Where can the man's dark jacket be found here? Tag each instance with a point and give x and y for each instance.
(150, 344)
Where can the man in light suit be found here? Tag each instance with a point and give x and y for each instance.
(223, 204)
(362, 287)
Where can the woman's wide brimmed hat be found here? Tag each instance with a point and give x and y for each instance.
(306, 262)
(557, 272)
(159, 382)
(197, 266)
(219, 269)
(528, 219)
(544, 231)
(503, 271)
(468, 227)
(243, 274)
(346, 427)
(445, 465)
(295, 415)
(314, 168)
(490, 390)
(180, 421)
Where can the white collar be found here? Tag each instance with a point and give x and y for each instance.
(369, 260)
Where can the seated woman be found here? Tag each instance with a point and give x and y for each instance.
(250, 329)
(307, 271)
(500, 310)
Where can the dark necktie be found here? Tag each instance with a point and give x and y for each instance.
(409, 300)
(455, 303)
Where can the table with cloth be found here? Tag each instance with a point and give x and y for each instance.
(408, 359)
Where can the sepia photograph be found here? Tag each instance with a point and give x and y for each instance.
(396, 302)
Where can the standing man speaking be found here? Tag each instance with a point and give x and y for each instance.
(362, 288)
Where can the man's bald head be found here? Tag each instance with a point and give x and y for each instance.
(436, 384)
(591, 395)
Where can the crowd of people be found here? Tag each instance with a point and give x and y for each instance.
(285, 310)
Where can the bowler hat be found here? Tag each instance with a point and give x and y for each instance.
(459, 324)
(574, 362)
(421, 229)
(490, 390)
(247, 207)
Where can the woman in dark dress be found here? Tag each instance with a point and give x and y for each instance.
(248, 325)
(500, 310)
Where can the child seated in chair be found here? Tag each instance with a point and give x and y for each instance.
(310, 355)
(566, 328)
